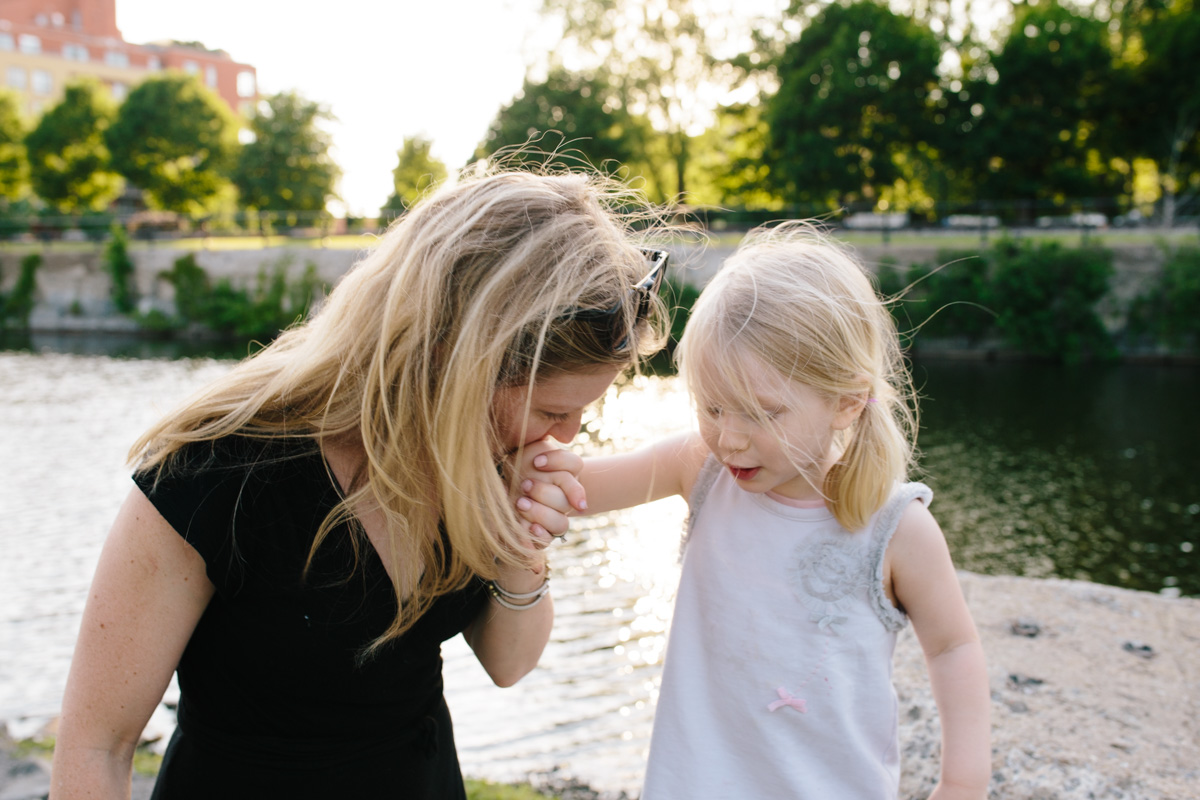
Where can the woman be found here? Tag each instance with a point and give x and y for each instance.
(280, 513)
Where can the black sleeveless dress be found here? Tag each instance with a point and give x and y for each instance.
(276, 700)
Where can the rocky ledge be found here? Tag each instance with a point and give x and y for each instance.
(1095, 695)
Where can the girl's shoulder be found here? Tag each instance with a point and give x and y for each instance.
(697, 466)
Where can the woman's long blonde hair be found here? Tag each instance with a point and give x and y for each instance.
(798, 302)
(471, 290)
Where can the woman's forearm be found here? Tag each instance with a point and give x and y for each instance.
(508, 642)
(92, 772)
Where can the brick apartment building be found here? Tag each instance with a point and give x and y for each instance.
(44, 44)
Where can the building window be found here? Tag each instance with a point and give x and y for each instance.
(191, 67)
(6, 41)
(116, 58)
(29, 44)
(42, 82)
(75, 52)
(246, 84)
(154, 63)
(16, 78)
(119, 91)
(210, 76)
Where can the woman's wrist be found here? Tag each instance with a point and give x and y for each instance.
(519, 601)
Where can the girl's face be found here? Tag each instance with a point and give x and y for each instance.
(555, 407)
(780, 439)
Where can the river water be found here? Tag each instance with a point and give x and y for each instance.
(1083, 472)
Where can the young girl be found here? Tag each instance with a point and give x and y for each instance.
(806, 550)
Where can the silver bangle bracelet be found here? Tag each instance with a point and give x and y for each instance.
(502, 597)
(521, 595)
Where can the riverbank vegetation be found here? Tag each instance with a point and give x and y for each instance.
(220, 308)
(17, 303)
(1032, 297)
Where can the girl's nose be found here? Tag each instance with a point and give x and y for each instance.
(732, 438)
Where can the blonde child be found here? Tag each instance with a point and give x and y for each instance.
(806, 550)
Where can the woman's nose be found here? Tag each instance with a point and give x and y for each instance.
(565, 431)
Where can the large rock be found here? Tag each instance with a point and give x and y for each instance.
(1095, 693)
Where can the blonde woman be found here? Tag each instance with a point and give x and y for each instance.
(306, 531)
(807, 550)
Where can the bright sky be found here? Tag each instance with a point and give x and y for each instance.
(386, 68)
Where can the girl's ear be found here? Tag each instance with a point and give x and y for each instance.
(849, 407)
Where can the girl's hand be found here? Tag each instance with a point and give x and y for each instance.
(548, 475)
(949, 792)
(549, 491)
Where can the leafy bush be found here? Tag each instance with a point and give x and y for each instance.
(1170, 311)
(1045, 297)
(16, 306)
(120, 270)
(955, 297)
(260, 312)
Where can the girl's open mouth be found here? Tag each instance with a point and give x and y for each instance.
(744, 474)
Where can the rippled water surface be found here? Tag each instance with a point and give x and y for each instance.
(1086, 473)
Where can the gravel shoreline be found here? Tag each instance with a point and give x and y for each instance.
(1095, 696)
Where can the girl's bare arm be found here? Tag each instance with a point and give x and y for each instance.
(925, 584)
(667, 467)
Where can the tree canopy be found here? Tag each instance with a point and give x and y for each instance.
(658, 57)
(416, 171)
(13, 164)
(857, 89)
(175, 140)
(590, 124)
(287, 166)
(1051, 76)
(69, 164)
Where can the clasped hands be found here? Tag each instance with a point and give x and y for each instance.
(548, 491)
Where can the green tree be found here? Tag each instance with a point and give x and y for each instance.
(416, 170)
(175, 140)
(587, 115)
(1158, 108)
(13, 169)
(69, 164)
(287, 167)
(857, 92)
(1040, 110)
(659, 57)
(728, 167)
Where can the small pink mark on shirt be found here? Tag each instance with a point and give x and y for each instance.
(786, 699)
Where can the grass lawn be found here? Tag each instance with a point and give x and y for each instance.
(949, 240)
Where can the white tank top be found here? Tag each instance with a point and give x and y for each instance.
(778, 674)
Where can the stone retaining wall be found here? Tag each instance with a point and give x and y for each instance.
(74, 288)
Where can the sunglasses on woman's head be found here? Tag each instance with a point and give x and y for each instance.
(608, 323)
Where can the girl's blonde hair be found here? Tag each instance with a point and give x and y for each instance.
(795, 300)
(473, 289)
